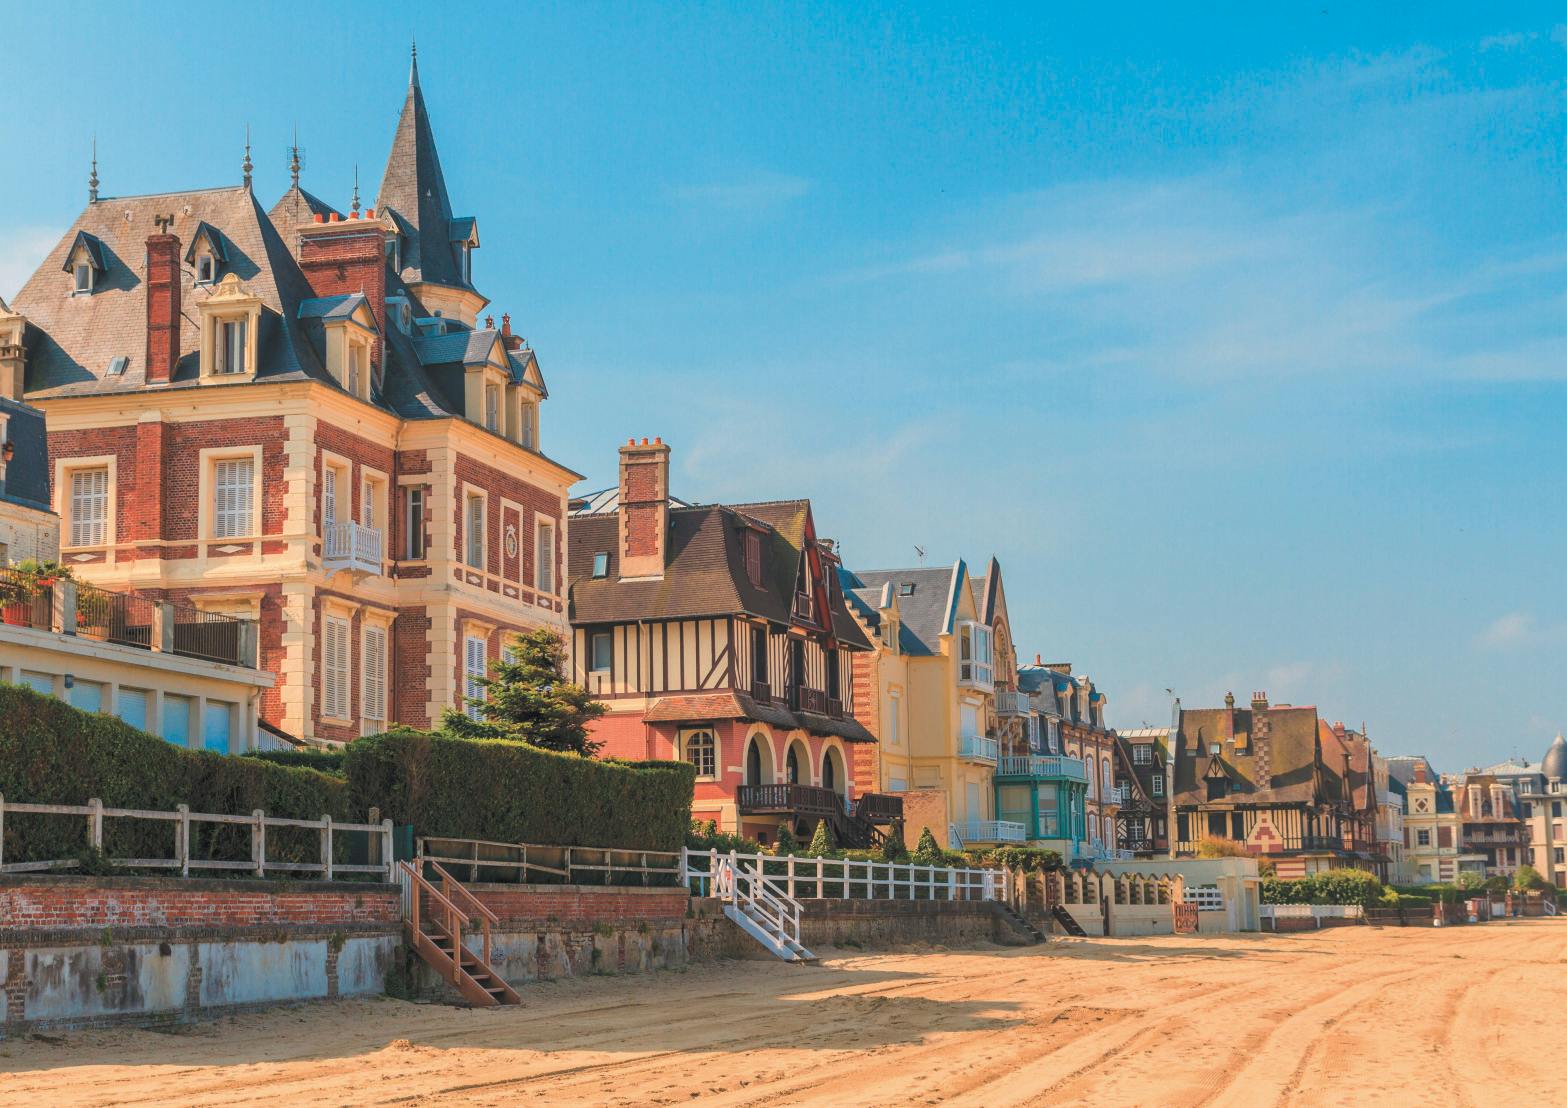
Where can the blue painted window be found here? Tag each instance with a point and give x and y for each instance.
(133, 707)
(176, 719)
(215, 727)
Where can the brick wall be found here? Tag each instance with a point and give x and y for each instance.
(576, 904)
(866, 769)
(70, 903)
(410, 667)
(536, 503)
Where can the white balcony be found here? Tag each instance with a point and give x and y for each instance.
(353, 547)
(1043, 767)
(992, 831)
(1011, 703)
(977, 748)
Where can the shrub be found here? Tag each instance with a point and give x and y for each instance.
(51, 753)
(705, 835)
(822, 843)
(1215, 847)
(1338, 886)
(1528, 878)
(304, 757)
(926, 852)
(513, 792)
(1017, 857)
(1470, 882)
(894, 850)
(785, 841)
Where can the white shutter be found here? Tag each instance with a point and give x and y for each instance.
(476, 532)
(546, 554)
(367, 509)
(89, 507)
(373, 665)
(474, 664)
(329, 497)
(233, 483)
(335, 669)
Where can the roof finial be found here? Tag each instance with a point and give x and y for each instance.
(247, 165)
(355, 208)
(92, 180)
(293, 158)
(413, 64)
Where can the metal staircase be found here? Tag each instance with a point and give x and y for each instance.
(434, 919)
(761, 908)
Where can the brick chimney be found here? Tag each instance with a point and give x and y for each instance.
(1262, 740)
(1259, 701)
(509, 340)
(163, 307)
(644, 508)
(343, 256)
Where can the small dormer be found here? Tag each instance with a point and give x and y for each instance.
(465, 240)
(85, 263)
(230, 322)
(207, 255)
(525, 391)
(350, 333)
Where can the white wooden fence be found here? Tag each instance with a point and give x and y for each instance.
(1313, 911)
(842, 879)
(380, 841)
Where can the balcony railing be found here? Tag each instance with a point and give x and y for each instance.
(1043, 767)
(810, 700)
(879, 808)
(761, 692)
(805, 800)
(977, 748)
(1010, 702)
(352, 546)
(992, 831)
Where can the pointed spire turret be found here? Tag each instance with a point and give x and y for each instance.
(293, 158)
(355, 208)
(92, 178)
(247, 165)
(413, 63)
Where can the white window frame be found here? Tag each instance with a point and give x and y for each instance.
(894, 706)
(89, 530)
(373, 656)
(336, 666)
(413, 523)
(544, 556)
(594, 638)
(1156, 784)
(79, 286)
(233, 346)
(975, 656)
(206, 268)
(492, 407)
(686, 738)
(1142, 754)
(234, 497)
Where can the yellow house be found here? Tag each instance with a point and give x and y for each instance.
(928, 693)
(1433, 833)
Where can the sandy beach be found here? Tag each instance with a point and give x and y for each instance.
(1344, 1016)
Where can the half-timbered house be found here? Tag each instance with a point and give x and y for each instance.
(717, 634)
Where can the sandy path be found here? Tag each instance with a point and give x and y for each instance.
(1346, 1016)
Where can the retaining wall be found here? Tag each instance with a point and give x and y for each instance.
(886, 923)
(77, 951)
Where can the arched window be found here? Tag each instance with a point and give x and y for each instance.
(753, 764)
(829, 776)
(701, 750)
(792, 765)
(1108, 780)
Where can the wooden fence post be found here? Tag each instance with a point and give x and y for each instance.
(386, 847)
(95, 823)
(258, 842)
(326, 846)
(182, 839)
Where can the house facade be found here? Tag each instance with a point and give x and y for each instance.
(1272, 779)
(295, 416)
(718, 635)
(1491, 823)
(1072, 723)
(930, 686)
(29, 528)
(1142, 824)
(1542, 807)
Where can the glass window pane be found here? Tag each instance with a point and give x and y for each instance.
(215, 726)
(133, 707)
(176, 720)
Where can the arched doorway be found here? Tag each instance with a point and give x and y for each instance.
(834, 774)
(792, 764)
(758, 770)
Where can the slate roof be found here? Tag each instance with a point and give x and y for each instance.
(413, 189)
(704, 569)
(27, 475)
(1298, 772)
(923, 612)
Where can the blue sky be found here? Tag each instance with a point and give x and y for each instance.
(1237, 336)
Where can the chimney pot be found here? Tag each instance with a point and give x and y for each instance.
(320, 218)
(163, 306)
(644, 508)
(369, 213)
(335, 218)
(506, 324)
(489, 323)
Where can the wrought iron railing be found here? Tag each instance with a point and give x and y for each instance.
(126, 618)
(879, 807)
(209, 635)
(1042, 767)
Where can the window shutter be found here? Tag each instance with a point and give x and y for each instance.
(546, 555)
(367, 508)
(335, 693)
(374, 666)
(329, 496)
(89, 507)
(232, 484)
(474, 664)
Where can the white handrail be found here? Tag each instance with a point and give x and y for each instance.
(836, 878)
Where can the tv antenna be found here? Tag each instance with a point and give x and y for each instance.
(919, 552)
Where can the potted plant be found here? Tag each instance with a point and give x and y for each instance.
(22, 583)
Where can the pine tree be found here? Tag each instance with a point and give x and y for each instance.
(894, 849)
(786, 842)
(926, 852)
(526, 698)
(821, 842)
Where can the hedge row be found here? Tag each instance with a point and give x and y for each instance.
(513, 792)
(306, 757)
(51, 753)
(1338, 886)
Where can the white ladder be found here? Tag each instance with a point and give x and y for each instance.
(761, 908)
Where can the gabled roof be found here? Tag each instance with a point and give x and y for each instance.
(93, 247)
(205, 232)
(330, 309)
(927, 601)
(414, 189)
(1298, 774)
(460, 348)
(704, 569)
(296, 207)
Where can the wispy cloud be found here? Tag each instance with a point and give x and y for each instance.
(21, 249)
(758, 194)
(1518, 630)
(1508, 40)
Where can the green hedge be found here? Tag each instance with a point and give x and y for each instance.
(305, 757)
(51, 753)
(1338, 886)
(513, 792)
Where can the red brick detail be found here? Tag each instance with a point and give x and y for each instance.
(410, 667)
(94, 443)
(866, 757)
(60, 907)
(270, 640)
(343, 262)
(537, 503)
(163, 307)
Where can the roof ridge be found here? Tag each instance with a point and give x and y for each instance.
(175, 192)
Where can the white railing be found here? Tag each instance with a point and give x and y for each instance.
(353, 546)
(1011, 703)
(760, 897)
(977, 747)
(1312, 911)
(993, 831)
(1208, 898)
(380, 838)
(798, 877)
(1047, 765)
(1099, 852)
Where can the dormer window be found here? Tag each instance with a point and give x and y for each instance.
(234, 348)
(492, 407)
(229, 321)
(85, 263)
(206, 269)
(206, 254)
(467, 264)
(83, 278)
(601, 564)
(394, 252)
